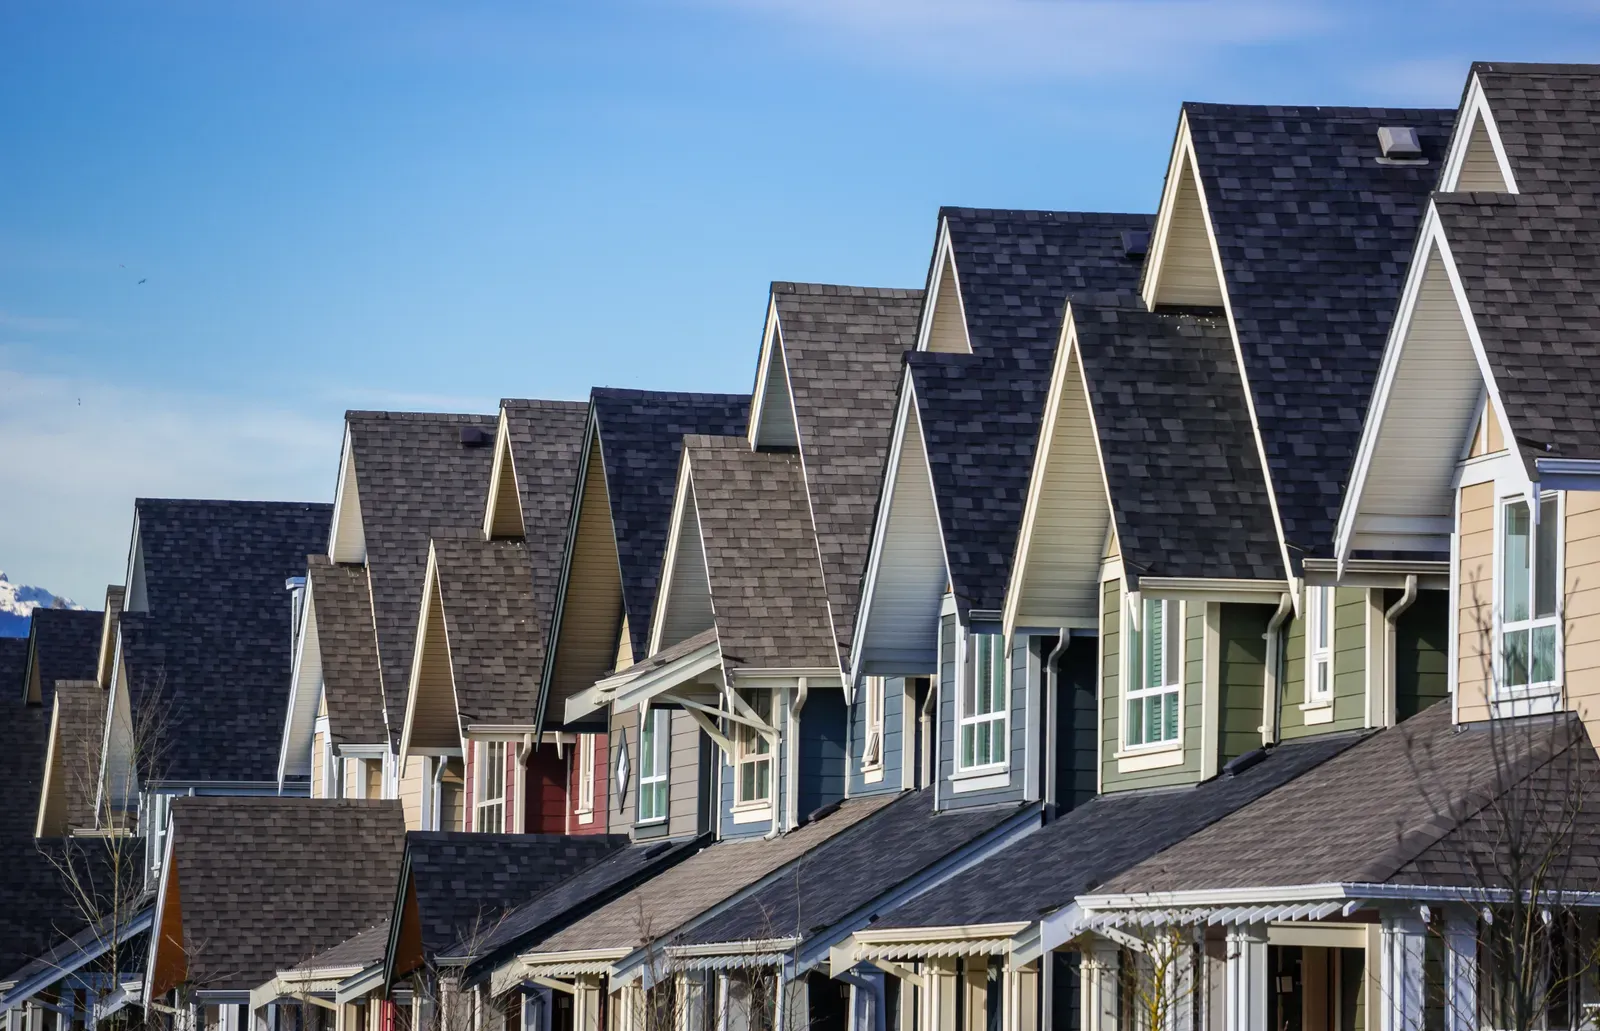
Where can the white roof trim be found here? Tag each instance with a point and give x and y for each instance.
(305, 691)
(347, 540)
(628, 689)
(430, 597)
(1474, 111)
(944, 256)
(505, 464)
(683, 497)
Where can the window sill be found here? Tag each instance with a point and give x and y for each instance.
(752, 812)
(1316, 712)
(1525, 701)
(872, 774)
(1150, 757)
(981, 778)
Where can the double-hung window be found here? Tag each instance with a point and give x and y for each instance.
(489, 802)
(585, 774)
(1529, 570)
(655, 748)
(753, 752)
(1154, 674)
(983, 703)
(1319, 645)
(872, 747)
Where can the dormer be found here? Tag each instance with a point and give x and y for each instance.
(347, 542)
(944, 316)
(772, 416)
(1477, 160)
(1183, 267)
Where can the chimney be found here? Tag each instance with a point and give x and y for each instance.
(296, 586)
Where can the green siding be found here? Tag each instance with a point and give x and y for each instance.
(1242, 666)
(1349, 669)
(1111, 699)
(1421, 647)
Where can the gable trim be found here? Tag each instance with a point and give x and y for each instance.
(296, 728)
(772, 354)
(347, 540)
(431, 599)
(944, 257)
(503, 477)
(1476, 112)
(681, 503)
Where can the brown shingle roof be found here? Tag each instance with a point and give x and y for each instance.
(490, 620)
(349, 647)
(79, 719)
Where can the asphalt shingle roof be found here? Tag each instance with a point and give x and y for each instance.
(851, 869)
(351, 683)
(1315, 236)
(63, 644)
(467, 883)
(414, 476)
(1548, 118)
(1410, 804)
(1530, 266)
(767, 591)
(843, 351)
(641, 433)
(209, 663)
(1181, 463)
(1096, 840)
(266, 882)
(364, 950)
(79, 728)
(490, 621)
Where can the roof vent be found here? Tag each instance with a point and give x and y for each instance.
(657, 849)
(1238, 764)
(1399, 143)
(476, 436)
(1135, 243)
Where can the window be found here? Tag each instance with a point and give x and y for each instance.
(655, 747)
(1529, 568)
(1319, 644)
(752, 752)
(586, 773)
(1153, 676)
(983, 703)
(872, 746)
(489, 802)
(159, 806)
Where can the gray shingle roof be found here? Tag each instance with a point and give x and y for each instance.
(1110, 833)
(266, 882)
(414, 477)
(767, 591)
(1530, 266)
(661, 905)
(843, 349)
(852, 869)
(80, 722)
(1315, 237)
(364, 950)
(63, 644)
(1181, 463)
(1548, 117)
(209, 663)
(641, 433)
(490, 621)
(1408, 805)
(466, 884)
(349, 646)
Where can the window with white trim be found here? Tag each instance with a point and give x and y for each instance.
(489, 789)
(872, 744)
(1154, 673)
(752, 752)
(586, 773)
(1319, 644)
(984, 703)
(1529, 593)
(655, 748)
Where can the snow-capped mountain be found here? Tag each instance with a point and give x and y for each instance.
(17, 602)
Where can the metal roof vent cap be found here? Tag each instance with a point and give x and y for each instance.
(1399, 143)
(476, 436)
(1135, 243)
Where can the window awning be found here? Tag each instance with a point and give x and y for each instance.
(674, 667)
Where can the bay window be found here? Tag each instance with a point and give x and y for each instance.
(983, 703)
(1154, 673)
(1528, 594)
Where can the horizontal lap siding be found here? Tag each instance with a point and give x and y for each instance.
(683, 776)
(1241, 674)
(1192, 729)
(1422, 651)
(624, 734)
(1581, 630)
(822, 757)
(893, 745)
(1474, 600)
(1349, 669)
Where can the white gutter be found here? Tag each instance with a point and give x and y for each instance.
(1270, 681)
(1391, 616)
(1568, 473)
(1330, 891)
(791, 800)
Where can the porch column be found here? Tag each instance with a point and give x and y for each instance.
(1022, 998)
(1247, 977)
(586, 1003)
(944, 994)
(1171, 954)
(1460, 969)
(866, 999)
(1100, 962)
(692, 1008)
(1403, 936)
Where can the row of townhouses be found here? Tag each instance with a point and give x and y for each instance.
(1173, 621)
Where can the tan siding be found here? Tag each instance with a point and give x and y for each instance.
(318, 748)
(505, 504)
(433, 720)
(949, 330)
(452, 791)
(1188, 272)
(1497, 434)
(411, 792)
(624, 648)
(372, 769)
(683, 776)
(348, 543)
(624, 728)
(1480, 169)
(687, 602)
(593, 603)
(1474, 600)
(1581, 629)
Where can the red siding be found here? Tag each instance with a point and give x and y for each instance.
(598, 824)
(547, 792)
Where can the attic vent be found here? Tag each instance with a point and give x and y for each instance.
(476, 436)
(1135, 243)
(1399, 143)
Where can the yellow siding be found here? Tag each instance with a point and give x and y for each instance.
(433, 719)
(1582, 616)
(411, 792)
(318, 749)
(949, 330)
(593, 602)
(1474, 600)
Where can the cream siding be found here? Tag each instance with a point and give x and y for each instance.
(1581, 625)
(948, 333)
(686, 606)
(348, 542)
(1187, 274)
(319, 748)
(505, 503)
(1474, 601)
(1480, 169)
(592, 608)
(432, 715)
(776, 412)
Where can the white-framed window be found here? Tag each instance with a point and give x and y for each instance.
(489, 791)
(984, 701)
(586, 773)
(157, 813)
(872, 739)
(1154, 675)
(752, 752)
(655, 748)
(1529, 595)
(1319, 644)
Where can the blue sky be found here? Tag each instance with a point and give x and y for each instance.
(379, 203)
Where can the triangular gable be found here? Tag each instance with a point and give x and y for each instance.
(1477, 160)
(305, 693)
(1055, 578)
(1183, 268)
(684, 607)
(944, 319)
(772, 419)
(907, 575)
(347, 542)
(504, 515)
(431, 725)
(66, 801)
(108, 633)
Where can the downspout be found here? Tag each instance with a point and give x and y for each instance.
(438, 785)
(1052, 720)
(524, 753)
(1272, 701)
(791, 800)
(926, 718)
(1391, 615)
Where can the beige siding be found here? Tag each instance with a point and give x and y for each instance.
(348, 542)
(911, 573)
(1474, 600)
(452, 796)
(686, 606)
(411, 792)
(593, 603)
(1188, 272)
(505, 504)
(433, 717)
(683, 776)
(1480, 169)
(624, 727)
(776, 424)
(1581, 631)
(372, 770)
(949, 330)
(319, 747)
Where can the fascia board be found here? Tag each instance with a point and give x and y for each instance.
(944, 256)
(296, 728)
(1169, 191)
(504, 465)
(683, 496)
(1474, 109)
(770, 337)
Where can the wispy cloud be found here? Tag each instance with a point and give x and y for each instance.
(76, 453)
(13, 322)
(1041, 38)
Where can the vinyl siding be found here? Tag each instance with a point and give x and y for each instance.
(545, 791)
(1191, 730)
(949, 330)
(1474, 598)
(1422, 652)
(1242, 669)
(602, 774)
(910, 575)
(687, 599)
(624, 734)
(1016, 727)
(894, 689)
(433, 715)
(1480, 169)
(822, 748)
(591, 612)
(683, 777)
(319, 747)
(411, 792)
(728, 827)
(505, 504)
(1581, 633)
(452, 810)
(1188, 267)
(1349, 669)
